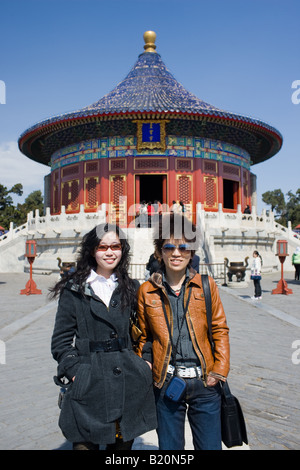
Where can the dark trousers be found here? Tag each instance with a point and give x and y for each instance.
(297, 272)
(257, 288)
(203, 408)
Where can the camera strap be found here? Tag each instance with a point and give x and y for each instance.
(174, 347)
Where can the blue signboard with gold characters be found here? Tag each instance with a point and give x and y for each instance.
(150, 132)
(151, 135)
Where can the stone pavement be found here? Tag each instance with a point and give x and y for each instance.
(265, 374)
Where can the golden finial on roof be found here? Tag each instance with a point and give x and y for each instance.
(149, 38)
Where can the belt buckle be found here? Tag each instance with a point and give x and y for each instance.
(182, 372)
(108, 345)
(188, 372)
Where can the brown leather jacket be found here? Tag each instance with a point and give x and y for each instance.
(155, 333)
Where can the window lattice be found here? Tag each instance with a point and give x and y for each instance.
(70, 195)
(210, 166)
(91, 189)
(184, 164)
(184, 189)
(231, 170)
(118, 164)
(118, 189)
(154, 164)
(74, 196)
(210, 192)
(71, 170)
(91, 167)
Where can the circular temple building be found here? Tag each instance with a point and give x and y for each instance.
(149, 139)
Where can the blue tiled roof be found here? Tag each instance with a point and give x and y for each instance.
(149, 86)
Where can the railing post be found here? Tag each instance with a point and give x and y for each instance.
(225, 283)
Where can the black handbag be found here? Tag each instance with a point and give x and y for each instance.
(233, 425)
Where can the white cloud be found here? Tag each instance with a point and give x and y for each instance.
(17, 168)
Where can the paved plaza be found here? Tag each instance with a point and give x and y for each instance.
(265, 376)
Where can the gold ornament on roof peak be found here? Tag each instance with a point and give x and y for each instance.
(149, 38)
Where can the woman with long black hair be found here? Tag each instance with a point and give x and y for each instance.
(109, 399)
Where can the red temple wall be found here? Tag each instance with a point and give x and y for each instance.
(116, 180)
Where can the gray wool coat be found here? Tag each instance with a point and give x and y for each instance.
(110, 385)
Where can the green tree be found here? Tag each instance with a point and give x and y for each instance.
(7, 208)
(286, 209)
(293, 207)
(32, 202)
(5, 198)
(275, 199)
(18, 215)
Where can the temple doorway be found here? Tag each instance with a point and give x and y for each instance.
(150, 188)
(230, 194)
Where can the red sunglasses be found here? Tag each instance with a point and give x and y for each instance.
(114, 247)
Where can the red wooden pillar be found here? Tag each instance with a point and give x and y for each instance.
(104, 181)
(172, 182)
(130, 190)
(220, 177)
(164, 189)
(197, 183)
(137, 189)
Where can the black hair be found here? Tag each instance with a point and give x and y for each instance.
(86, 261)
(175, 226)
(257, 254)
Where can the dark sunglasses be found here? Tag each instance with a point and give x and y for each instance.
(114, 247)
(183, 248)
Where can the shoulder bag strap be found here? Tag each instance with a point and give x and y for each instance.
(207, 296)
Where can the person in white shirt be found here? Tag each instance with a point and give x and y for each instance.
(109, 399)
(256, 275)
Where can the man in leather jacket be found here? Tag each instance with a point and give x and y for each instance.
(172, 318)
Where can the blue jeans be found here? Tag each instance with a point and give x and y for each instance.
(203, 407)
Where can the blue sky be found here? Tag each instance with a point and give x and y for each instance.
(59, 56)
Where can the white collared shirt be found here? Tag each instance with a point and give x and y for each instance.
(101, 286)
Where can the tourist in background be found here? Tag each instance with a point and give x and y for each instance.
(296, 263)
(256, 275)
(152, 266)
(143, 215)
(109, 399)
(150, 212)
(195, 263)
(175, 208)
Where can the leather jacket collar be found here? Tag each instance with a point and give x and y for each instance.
(156, 279)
